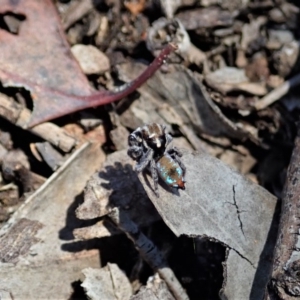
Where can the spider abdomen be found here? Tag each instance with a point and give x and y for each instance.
(170, 171)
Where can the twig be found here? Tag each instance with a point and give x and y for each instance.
(18, 115)
(76, 11)
(106, 97)
(278, 93)
(72, 103)
(148, 251)
(285, 280)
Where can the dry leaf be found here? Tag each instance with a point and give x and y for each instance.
(108, 283)
(116, 184)
(230, 79)
(43, 228)
(222, 205)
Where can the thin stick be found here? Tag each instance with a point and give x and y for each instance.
(126, 89)
(19, 115)
(148, 251)
(278, 93)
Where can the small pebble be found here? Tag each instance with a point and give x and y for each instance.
(91, 59)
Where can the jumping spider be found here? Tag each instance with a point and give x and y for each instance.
(149, 146)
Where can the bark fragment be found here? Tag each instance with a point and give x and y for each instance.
(285, 281)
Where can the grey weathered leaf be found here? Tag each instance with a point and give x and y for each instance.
(115, 185)
(222, 205)
(108, 283)
(209, 17)
(37, 240)
(183, 91)
(230, 79)
(156, 289)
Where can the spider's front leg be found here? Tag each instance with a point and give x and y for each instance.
(135, 143)
(174, 151)
(144, 160)
(168, 139)
(147, 161)
(135, 152)
(135, 138)
(154, 175)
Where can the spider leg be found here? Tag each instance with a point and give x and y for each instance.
(135, 152)
(144, 160)
(181, 164)
(169, 139)
(135, 138)
(154, 176)
(174, 151)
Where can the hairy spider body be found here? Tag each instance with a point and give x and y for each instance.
(151, 136)
(146, 142)
(148, 145)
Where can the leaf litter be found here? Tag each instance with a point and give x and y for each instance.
(225, 96)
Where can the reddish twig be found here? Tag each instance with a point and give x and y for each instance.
(63, 103)
(125, 90)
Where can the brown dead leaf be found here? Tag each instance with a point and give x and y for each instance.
(56, 82)
(30, 53)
